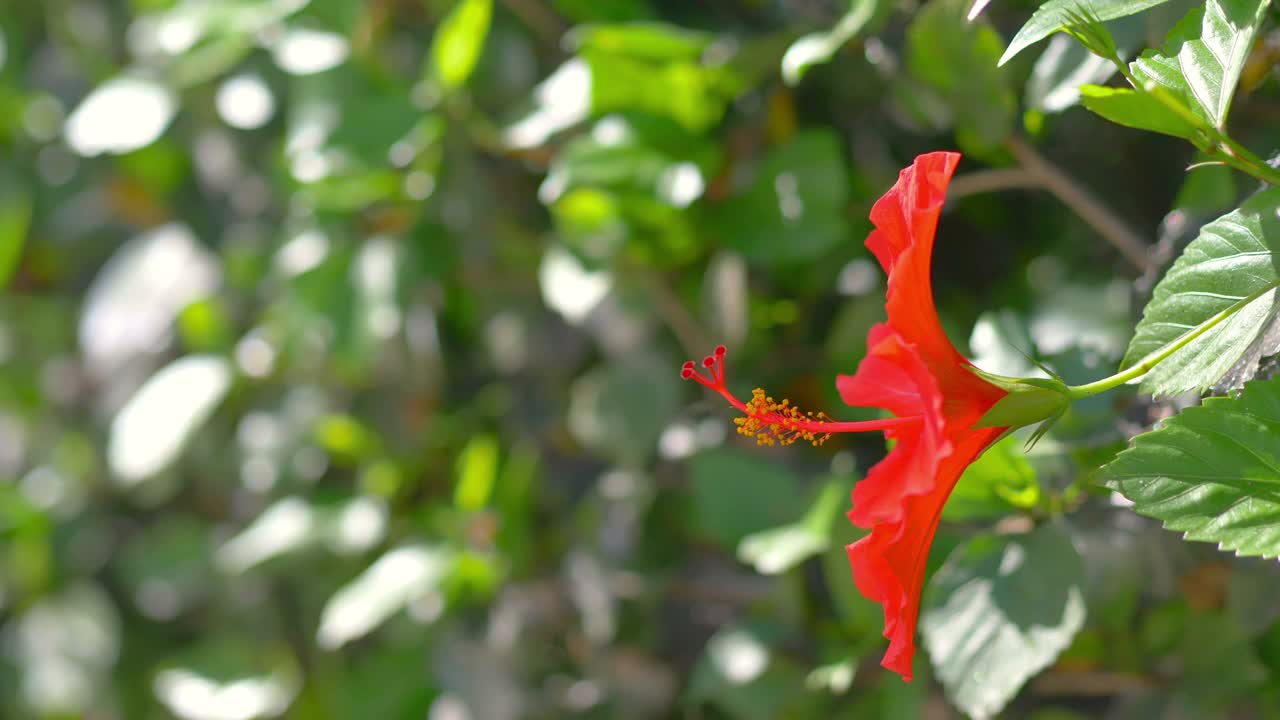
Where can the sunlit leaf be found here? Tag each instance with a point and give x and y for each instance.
(477, 473)
(1000, 481)
(73, 636)
(392, 581)
(151, 429)
(1211, 472)
(1066, 65)
(119, 116)
(1057, 14)
(1136, 109)
(303, 51)
(999, 611)
(193, 696)
(1187, 88)
(817, 48)
(1230, 265)
(284, 526)
(131, 305)
(459, 41)
(779, 549)
(655, 69)
(1059, 72)
(1204, 55)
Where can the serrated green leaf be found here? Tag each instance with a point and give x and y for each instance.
(1203, 56)
(1066, 65)
(1135, 109)
(1057, 14)
(459, 41)
(1000, 610)
(1232, 262)
(1211, 472)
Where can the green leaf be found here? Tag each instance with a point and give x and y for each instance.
(459, 42)
(389, 584)
(779, 549)
(958, 60)
(652, 68)
(1203, 56)
(999, 481)
(1066, 65)
(1059, 72)
(1057, 14)
(818, 48)
(15, 219)
(619, 411)
(736, 494)
(642, 40)
(1232, 262)
(1000, 610)
(150, 431)
(1220, 666)
(1135, 109)
(794, 211)
(1211, 472)
(477, 472)
(345, 437)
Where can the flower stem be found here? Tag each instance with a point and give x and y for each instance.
(1156, 357)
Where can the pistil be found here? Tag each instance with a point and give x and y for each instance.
(773, 422)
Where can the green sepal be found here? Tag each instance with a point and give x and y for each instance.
(1030, 400)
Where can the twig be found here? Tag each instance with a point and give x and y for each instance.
(677, 317)
(985, 181)
(1088, 683)
(1082, 202)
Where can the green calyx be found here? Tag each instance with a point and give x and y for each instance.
(1029, 400)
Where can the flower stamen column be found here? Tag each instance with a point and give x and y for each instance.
(772, 422)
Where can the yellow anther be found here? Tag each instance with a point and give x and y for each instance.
(772, 422)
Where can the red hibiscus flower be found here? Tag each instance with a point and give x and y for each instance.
(912, 369)
(943, 408)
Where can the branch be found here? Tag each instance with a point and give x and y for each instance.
(1082, 202)
(985, 181)
(675, 315)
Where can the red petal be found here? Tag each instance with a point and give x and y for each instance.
(888, 565)
(906, 219)
(894, 377)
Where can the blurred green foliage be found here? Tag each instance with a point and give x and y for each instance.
(340, 347)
